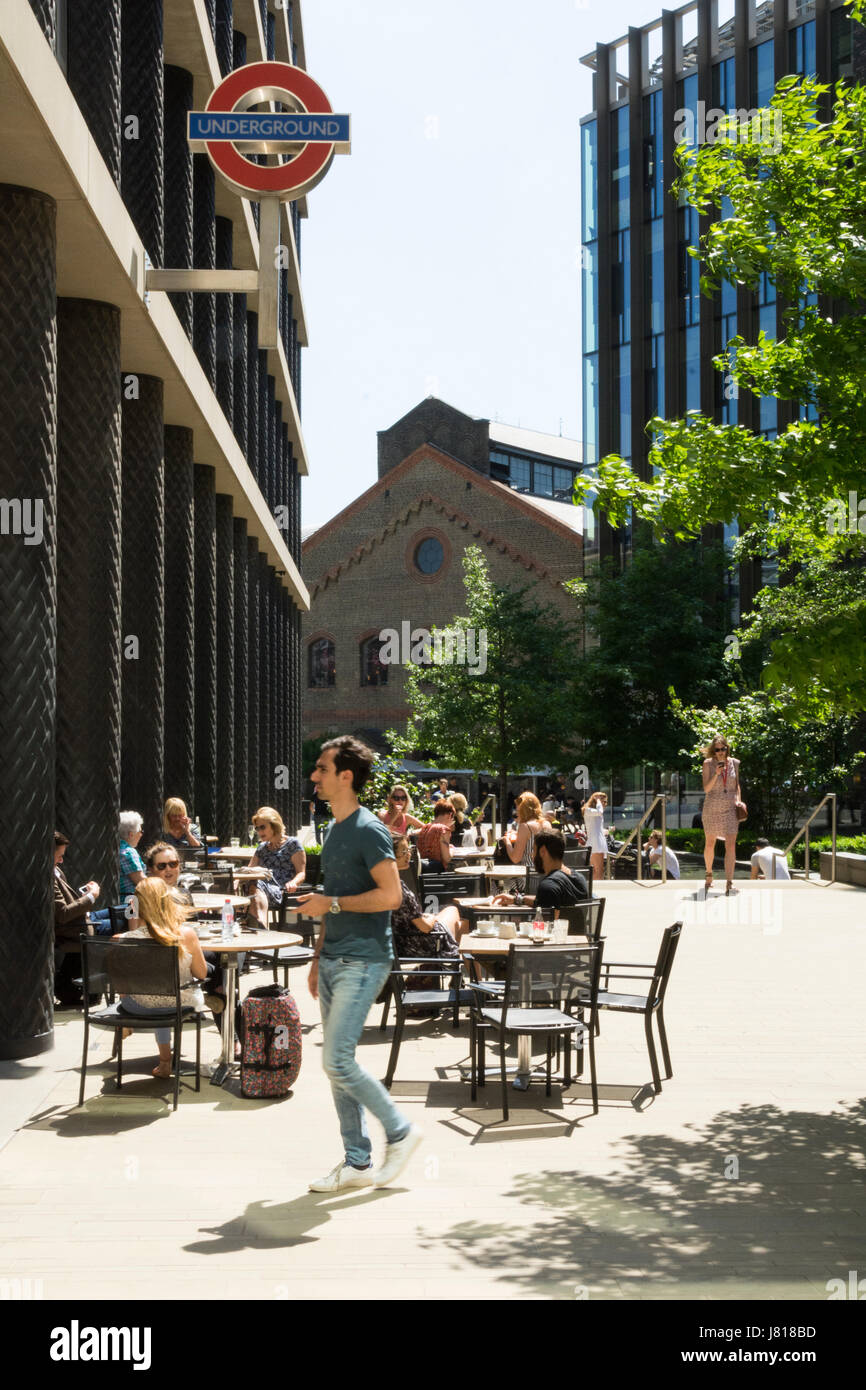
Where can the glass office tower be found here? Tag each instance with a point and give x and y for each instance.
(649, 336)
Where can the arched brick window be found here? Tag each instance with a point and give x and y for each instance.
(321, 663)
(373, 670)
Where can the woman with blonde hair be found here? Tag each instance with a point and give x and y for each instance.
(397, 815)
(161, 918)
(722, 796)
(179, 830)
(281, 855)
(530, 822)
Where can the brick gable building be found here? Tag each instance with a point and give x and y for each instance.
(392, 558)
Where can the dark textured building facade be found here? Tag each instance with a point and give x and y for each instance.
(391, 560)
(649, 335)
(150, 463)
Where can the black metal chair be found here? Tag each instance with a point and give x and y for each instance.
(446, 887)
(444, 968)
(411, 876)
(577, 858)
(136, 966)
(650, 1004)
(584, 919)
(547, 992)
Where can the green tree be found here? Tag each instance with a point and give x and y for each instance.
(796, 212)
(519, 712)
(660, 623)
(784, 768)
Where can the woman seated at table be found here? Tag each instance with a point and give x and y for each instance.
(163, 865)
(163, 919)
(433, 839)
(530, 822)
(418, 933)
(397, 814)
(177, 827)
(284, 858)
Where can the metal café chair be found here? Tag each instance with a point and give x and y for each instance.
(547, 992)
(650, 1004)
(447, 971)
(136, 966)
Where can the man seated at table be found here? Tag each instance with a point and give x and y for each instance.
(71, 921)
(558, 887)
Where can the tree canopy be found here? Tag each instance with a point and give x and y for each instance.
(795, 211)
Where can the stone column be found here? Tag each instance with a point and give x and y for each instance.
(28, 468)
(224, 323)
(253, 675)
(204, 258)
(142, 114)
(180, 673)
(242, 807)
(205, 649)
(93, 72)
(178, 186)
(142, 765)
(225, 673)
(89, 673)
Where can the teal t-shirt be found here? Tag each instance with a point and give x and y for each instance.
(351, 848)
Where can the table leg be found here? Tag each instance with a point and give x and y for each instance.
(524, 1062)
(226, 1059)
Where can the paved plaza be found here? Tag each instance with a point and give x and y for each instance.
(745, 1178)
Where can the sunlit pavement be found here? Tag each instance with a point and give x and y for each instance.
(745, 1178)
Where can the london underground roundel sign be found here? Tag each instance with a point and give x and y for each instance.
(307, 135)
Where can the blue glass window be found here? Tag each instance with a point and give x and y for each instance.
(801, 49)
(590, 297)
(840, 45)
(724, 89)
(590, 408)
(690, 269)
(619, 168)
(520, 474)
(563, 480)
(620, 295)
(655, 276)
(589, 173)
(654, 191)
(655, 393)
(543, 479)
(622, 389)
(692, 368)
(761, 73)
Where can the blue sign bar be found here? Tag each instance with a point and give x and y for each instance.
(289, 127)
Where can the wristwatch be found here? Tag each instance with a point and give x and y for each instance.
(335, 907)
(518, 899)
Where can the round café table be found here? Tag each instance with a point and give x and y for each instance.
(229, 952)
(235, 854)
(213, 902)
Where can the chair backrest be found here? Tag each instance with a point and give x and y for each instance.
(577, 858)
(446, 887)
(131, 966)
(665, 960)
(223, 882)
(584, 919)
(118, 918)
(411, 875)
(553, 976)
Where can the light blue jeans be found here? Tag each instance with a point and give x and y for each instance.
(347, 989)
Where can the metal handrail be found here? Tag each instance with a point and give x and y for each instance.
(804, 830)
(636, 831)
(491, 796)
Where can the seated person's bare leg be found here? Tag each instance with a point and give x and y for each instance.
(258, 907)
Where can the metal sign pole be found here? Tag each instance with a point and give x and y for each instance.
(269, 272)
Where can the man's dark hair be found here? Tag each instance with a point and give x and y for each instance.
(552, 841)
(762, 843)
(351, 755)
(60, 839)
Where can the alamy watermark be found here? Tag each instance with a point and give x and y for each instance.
(757, 126)
(846, 518)
(418, 646)
(22, 516)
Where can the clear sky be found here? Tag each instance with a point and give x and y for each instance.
(441, 257)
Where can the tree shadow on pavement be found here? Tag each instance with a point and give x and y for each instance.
(759, 1196)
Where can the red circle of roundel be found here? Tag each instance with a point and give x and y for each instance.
(274, 178)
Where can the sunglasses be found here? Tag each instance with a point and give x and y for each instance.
(168, 864)
(398, 798)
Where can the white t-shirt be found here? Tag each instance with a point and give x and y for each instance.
(763, 859)
(673, 863)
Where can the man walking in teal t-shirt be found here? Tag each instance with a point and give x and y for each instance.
(353, 961)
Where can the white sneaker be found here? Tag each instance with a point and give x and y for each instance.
(343, 1177)
(397, 1156)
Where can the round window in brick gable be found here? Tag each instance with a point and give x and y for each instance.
(429, 555)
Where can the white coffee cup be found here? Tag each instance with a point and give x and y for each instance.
(507, 931)
(487, 928)
(525, 928)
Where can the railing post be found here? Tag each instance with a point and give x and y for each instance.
(833, 843)
(664, 840)
(806, 842)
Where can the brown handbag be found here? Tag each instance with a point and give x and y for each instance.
(742, 810)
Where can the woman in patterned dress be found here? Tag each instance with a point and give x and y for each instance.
(722, 792)
(284, 858)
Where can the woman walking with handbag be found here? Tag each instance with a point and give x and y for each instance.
(723, 807)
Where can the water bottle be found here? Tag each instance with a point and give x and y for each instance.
(228, 921)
